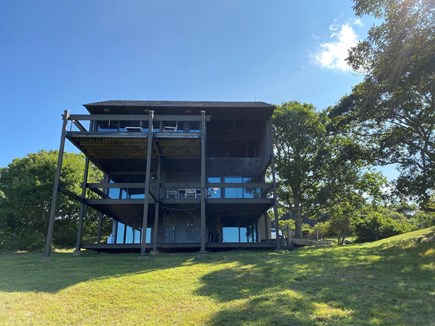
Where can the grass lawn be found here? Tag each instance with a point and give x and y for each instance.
(389, 282)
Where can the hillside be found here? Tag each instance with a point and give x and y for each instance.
(389, 282)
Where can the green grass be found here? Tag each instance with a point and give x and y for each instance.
(389, 282)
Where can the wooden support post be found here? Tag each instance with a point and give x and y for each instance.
(147, 183)
(100, 215)
(275, 199)
(203, 183)
(266, 226)
(82, 208)
(114, 230)
(49, 238)
(157, 208)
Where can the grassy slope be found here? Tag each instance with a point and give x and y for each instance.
(386, 282)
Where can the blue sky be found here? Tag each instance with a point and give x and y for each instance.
(57, 55)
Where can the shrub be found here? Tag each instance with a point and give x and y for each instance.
(380, 224)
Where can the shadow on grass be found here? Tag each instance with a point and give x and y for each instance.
(354, 286)
(30, 272)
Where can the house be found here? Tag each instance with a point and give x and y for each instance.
(177, 174)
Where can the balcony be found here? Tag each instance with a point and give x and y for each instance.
(164, 126)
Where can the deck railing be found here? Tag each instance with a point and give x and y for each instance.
(182, 191)
(134, 124)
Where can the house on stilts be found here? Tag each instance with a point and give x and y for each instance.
(178, 175)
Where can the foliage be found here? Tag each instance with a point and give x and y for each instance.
(379, 223)
(424, 219)
(298, 135)
(322, 229)
(328, 286)
(26, 186)
(322, 169)
(393, 108)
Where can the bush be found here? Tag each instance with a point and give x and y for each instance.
(381, 224)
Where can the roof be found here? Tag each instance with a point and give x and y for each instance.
(215, 108)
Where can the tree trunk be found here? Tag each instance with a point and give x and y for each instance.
(298, 220)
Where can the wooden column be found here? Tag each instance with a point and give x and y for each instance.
(203, 182)
(82, 207)
(275, 199)
(157, 208)
(147, 183)
(100, 215)
(49, 238)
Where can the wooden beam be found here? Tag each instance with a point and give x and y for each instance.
(156, 211)
(79, 125)
(82, 207)
(100, 214)
(70, 194)
(203, 182)
(147, 184)
(275, 199)
(130, 185)
(111, 201)
(50, 230)
(102, 194)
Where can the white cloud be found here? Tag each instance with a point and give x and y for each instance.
(358, 22)
(332, 54)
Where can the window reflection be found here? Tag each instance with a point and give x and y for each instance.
(233, 192)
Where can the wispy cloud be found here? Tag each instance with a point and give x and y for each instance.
(358, 22)
(332, 55)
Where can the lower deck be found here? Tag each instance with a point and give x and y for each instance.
(173, 247)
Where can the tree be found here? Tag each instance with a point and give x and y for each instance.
(298, 135)
(394, 105)
(321, 168)
(26, 187)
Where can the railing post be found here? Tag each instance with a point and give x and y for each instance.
(49, 238)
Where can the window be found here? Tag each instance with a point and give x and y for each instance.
(214, 192)
(127, 235)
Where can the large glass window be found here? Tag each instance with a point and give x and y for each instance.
(230, 234)
(127, 235)
(233, 192)
(242, 234)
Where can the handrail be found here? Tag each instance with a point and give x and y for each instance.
(240, 185)
(132, 185)
(134, 117)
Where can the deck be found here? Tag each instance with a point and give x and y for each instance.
(174, 247)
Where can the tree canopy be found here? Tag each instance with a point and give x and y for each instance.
(393, 108)
(321, 172)
(25, 194)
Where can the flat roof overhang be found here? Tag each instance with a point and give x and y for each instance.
(218, 110)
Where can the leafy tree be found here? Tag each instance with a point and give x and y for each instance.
(322, 229)
(26, 188)
(298, 135)
(394, 105)
(321, 169)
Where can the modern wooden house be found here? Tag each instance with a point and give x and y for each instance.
(178, 175)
